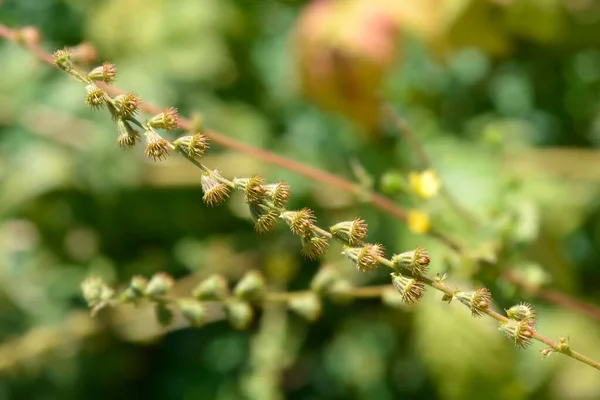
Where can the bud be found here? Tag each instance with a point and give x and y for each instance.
(128, 136)
(301, 222)
(212, 288)
(195, 145)
(159, 285)
(324, 279)
(254, 190)
(265, 219)
(157, 148)
(546, 352)
(366, 257)
(168, 120)
(478, 301)
(62, 59)
(279, 193)
(351, 232)
(314, 246)
(239, 313)
(95, 96)
(164, 314)
(127, 105)
(416, 261)
(96, 293)
(410, 289)
(215, 191)
(522, 311)
(105, 73)
(135, 290)
(519, 331)
(251, 287)
(307, 305)
(193, 311)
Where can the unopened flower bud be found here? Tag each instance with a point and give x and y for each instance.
(215, 191)
(168, 119)
(521, 311)
(105, 73)
(265, 219)
(410, 289)
(478, 301)
(366, 257)
(307, 305)
(212, 288)
(416, 261)
(95, 96)
(251, 287)
(157, 148)
(159, 285)
(519, 331)
(127, 105)
(128, 136)
(193, 311)
(239, 313)
(279, 193)
(351, 232)
(301, 222)
(195, 146)
(254, 189)
(62, 59)
(314, 246)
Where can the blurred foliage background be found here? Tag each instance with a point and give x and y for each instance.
(503, 94)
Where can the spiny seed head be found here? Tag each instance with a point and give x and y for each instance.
(521, 312)
(195, 145)
(239, 313)
(279, 193)
(215, 192)
(193, 311)
(127, 105)
(157, 147)
(306, 305)
(265, 218)
(128, 136)
(314, 246)
(351, 232)
(365, 257)
(160, 284)
(478, 301)
(105, 73)
(212, 288)
(301, 222)
(519, 331)
(254, 190)
(95, 96)
(410, 289)
(168, 120)
(62, 59)
(251, 287)
(416, 260)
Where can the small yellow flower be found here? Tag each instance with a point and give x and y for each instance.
(418, 221)
(426, 184)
